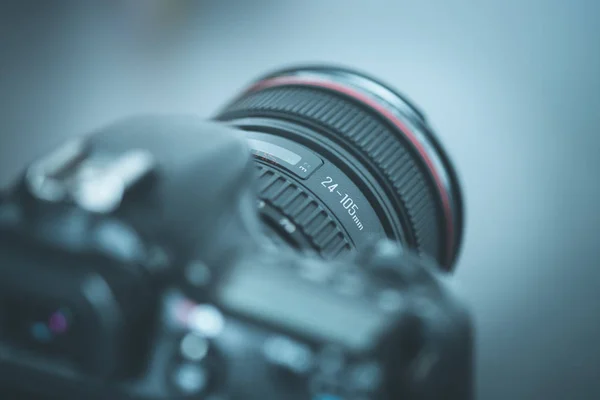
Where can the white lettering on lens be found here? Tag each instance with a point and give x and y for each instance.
(347, 202)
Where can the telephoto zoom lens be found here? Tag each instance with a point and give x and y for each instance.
(343, 160)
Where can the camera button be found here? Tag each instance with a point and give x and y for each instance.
(194, 347)
(289, 355)
(190, 378)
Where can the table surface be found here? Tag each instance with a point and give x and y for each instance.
(512, 87)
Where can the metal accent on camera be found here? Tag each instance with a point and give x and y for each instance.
(97, 183)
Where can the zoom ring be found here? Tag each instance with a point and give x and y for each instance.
(304, 211)
(370, 138)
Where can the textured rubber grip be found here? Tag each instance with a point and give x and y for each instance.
(369, 137)
(304, 210)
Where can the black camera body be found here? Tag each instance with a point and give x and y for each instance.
(133, 265)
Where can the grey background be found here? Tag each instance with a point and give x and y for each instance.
(512, 87)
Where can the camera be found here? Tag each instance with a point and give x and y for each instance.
(295, 247)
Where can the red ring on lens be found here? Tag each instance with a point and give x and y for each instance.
(391, 118)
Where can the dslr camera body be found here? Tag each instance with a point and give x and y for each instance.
(149, 260)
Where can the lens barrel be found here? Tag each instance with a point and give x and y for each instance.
(380, 146)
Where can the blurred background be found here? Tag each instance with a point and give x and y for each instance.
(512, 87)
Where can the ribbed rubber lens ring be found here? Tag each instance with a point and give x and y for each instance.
(304, 210)
(371, 138)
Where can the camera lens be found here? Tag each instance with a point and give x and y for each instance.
(343, 159)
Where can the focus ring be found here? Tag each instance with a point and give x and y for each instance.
(304, 210)
(368, 136)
